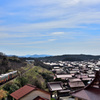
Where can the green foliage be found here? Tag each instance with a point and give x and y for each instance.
(14, 87)
(35, 78)
(38, 76)
(21, 81)
(11, 87)
(47, 77)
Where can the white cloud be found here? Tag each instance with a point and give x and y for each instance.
(73, 22)
(25, 43)
(58, 33)
(90, 2)
(70, 17)
(9, 35)
(20, 35)
(53, 2)
(52, 40)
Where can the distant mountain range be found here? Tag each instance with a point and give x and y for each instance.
(32, 56)
(36, 56)
(67, 57)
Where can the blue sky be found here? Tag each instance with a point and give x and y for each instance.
(52, 27)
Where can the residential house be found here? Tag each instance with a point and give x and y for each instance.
(30, 92)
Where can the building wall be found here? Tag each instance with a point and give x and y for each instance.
(34, 94)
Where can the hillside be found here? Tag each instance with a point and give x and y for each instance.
(36, 76)
(10, 63)
(80, 57)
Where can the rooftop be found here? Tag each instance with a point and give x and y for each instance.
(92, 91)
(24, 91)
(54, 86)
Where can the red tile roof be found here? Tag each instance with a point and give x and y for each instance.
(24, 91)
(40, 98)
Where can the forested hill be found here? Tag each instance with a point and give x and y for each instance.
(80, 57)
(12, 62)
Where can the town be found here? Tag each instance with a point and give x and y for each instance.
(72, 76)
(49, 50)
(71, 81)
